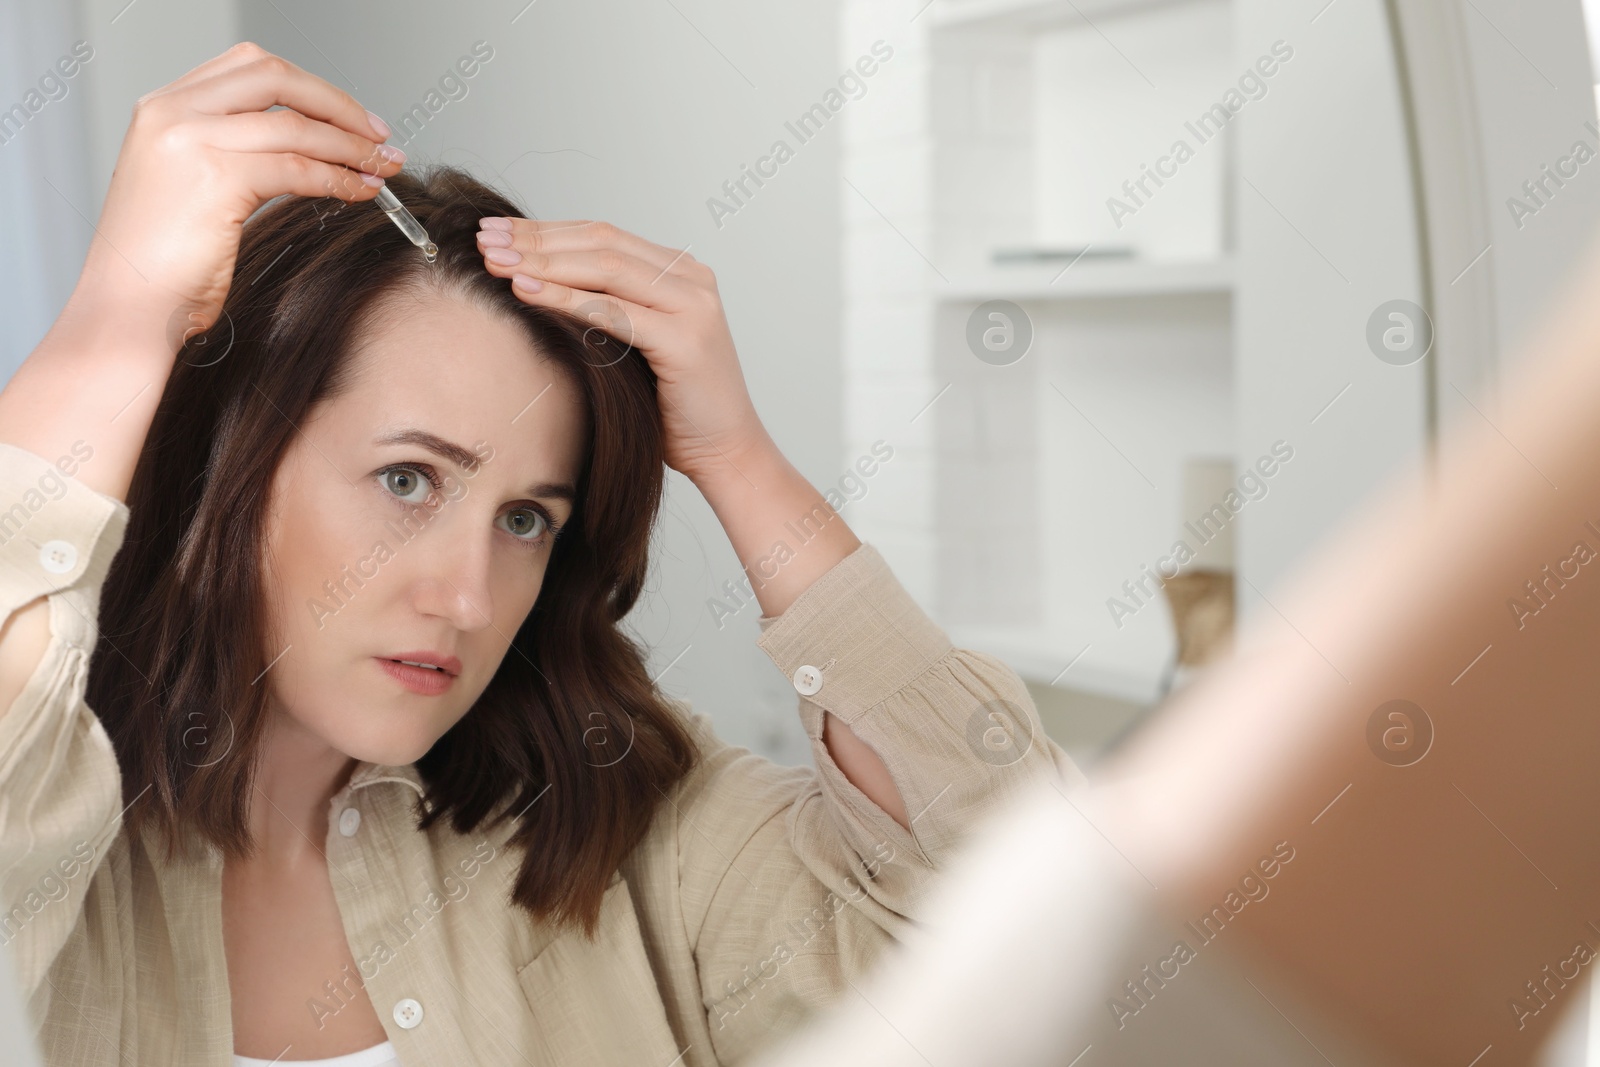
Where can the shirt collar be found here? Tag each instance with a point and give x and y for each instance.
(367, 774)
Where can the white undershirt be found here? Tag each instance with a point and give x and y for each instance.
(380, 1055)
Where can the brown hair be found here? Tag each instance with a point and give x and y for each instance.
(183, 615)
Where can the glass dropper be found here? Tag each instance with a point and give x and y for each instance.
(407, 222)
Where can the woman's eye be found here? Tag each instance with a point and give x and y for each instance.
(408, 484)
(526, 523)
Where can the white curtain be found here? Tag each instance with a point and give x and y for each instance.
(46, 217)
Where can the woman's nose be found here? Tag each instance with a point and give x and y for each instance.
(453, 580)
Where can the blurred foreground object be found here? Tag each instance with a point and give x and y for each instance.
(1046, 950)
(1380, 806)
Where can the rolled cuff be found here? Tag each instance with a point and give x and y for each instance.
(55, 532)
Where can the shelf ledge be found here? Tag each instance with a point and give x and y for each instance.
(1024, 15)
(1092, 280)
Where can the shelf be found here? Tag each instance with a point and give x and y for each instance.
(1092, 279)
(1033, 14)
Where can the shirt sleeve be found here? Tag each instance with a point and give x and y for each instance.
(60, 786)
(793, 881)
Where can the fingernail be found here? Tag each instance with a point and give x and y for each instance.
(503, 257)
(527, 282)
(494, 224)
(391, 153)
(379, 126)
(372, 180)
(494, 238)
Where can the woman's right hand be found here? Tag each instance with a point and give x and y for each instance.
(199, 157)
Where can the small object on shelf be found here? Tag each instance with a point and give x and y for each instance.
(1060, 255)
(1202, 614)
(1201, 594)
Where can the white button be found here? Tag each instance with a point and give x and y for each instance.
(349, 821)
(58, 557)
(807, 679)
(407, 1013)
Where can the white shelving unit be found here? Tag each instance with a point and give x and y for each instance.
(1009, 125)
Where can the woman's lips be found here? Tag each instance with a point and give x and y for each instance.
(417, 679)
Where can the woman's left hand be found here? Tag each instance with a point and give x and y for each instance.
(661, 301)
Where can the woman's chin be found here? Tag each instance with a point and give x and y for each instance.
(386, 744)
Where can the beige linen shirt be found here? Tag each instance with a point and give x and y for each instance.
(759, 892)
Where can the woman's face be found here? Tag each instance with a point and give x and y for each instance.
(367, 562)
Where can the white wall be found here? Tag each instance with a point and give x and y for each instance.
(1332, 160)
(1532, 82)
(1327, 233)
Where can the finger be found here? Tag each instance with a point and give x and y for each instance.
(565, 235)
(635, 326)
(238, 55)
(603, 270)
(290, 131)
(260, 83)
(275, 173)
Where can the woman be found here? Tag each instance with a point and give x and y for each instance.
(343, 756)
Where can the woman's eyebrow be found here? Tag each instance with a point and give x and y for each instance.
(467, 460)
